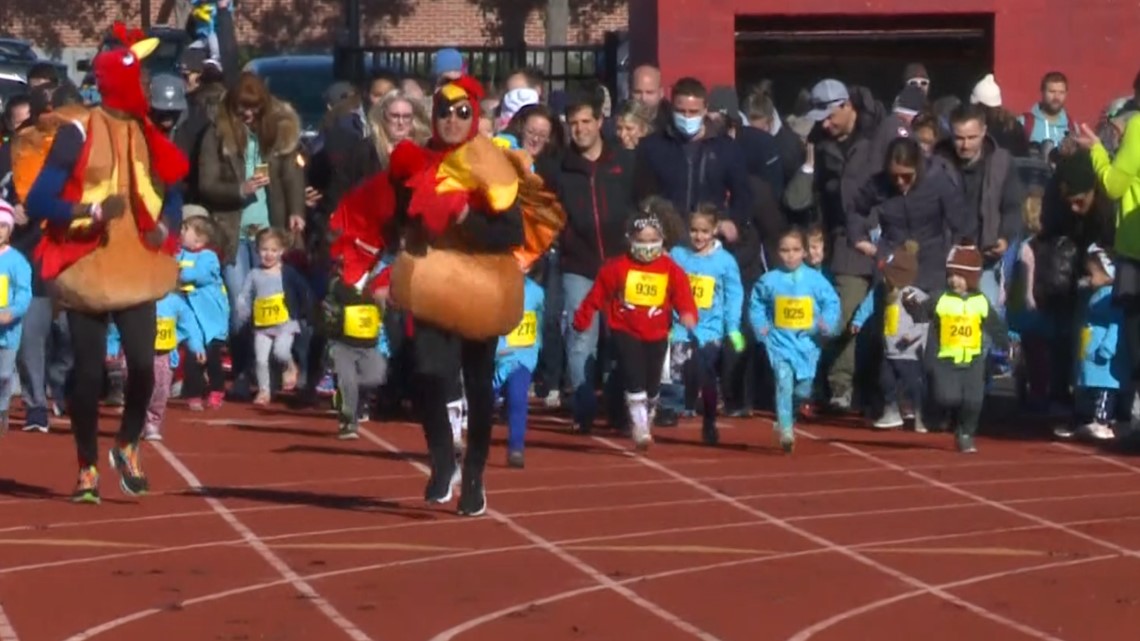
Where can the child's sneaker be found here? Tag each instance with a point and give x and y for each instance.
(1099, 431)
(262, 398)
(890, 419)
(327, 386)
(289, 378)
(87, 488)
(126, 461)
(1064, 432)
(215, 399)
(516, 459)
(196, 405)
(152, 433)
(348, 431)
(965, 443)
(709, 434)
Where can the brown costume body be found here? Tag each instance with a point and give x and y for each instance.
(121, 272)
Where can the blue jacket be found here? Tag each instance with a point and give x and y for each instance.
(114, 341)
(201, 282)
(15, 295)
(1103, 359)
(797, 347)
(508, 358)
(726, 299)
(1044, 130)
(173, 306)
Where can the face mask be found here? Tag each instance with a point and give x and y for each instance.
(689, 126)
(645, 252)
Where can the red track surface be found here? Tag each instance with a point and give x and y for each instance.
(298, 536)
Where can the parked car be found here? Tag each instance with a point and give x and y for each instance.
(18, 57)
(299, 80)
(11, 84)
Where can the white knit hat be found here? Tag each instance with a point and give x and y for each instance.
(515, 100)
(7, 213)
(986, 92)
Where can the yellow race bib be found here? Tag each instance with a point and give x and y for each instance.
(526, 334)
(794, 312)
(270, 311)
(891, 320)
(704, 287)
(1086, 339)
(645, 289)
(362, 321)
(4, 298)
(961, 332)
(166, 335)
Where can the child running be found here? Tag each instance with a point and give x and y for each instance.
(714, 278)
(515, 360)
(790, 307)
(638, 294)
(175, 324)
(960, 318)
(1102, 364)
(15, 297)
(902, 338)
(276, 297)
(200, 278)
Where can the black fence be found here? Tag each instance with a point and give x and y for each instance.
(565, 67)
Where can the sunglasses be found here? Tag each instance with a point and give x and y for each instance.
(921, 83)
(462, 112)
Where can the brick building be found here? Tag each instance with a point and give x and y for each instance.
(275, 25)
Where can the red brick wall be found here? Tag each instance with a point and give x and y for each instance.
(293, 24)
(1095, 46)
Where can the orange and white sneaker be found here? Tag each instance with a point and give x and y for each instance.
(87, 488)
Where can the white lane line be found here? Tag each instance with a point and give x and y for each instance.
(844, 550)
(7, 631)
(568, 558)
(259, 546)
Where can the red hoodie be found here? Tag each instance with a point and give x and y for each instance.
(638, 298)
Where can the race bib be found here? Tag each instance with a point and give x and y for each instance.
(270, 311)
(362, 321)
(1086, 339)
(794, 312)
(166, 335)
(526, 334)
(645, 289)
(962, 332)
(703, 289)
(891, 320)
(4, 298)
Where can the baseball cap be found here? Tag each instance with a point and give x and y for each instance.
(447, 60)
(826, 96)
(338, 91)
(167, 93)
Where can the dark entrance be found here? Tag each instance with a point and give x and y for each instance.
(796, 51)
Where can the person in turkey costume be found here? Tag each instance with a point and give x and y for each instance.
(470, 218)
(106, 252)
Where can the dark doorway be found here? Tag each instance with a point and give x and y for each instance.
(794, 52)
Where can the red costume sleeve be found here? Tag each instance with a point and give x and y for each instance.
(358, 224)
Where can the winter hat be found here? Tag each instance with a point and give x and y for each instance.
(910, 101)
(515, 100)
(1097, 253)
(915, 71)
(448, 60)
(966, 261)
(986, 92)
(1075, 173)
(194, 211)
(7, 213)
(901, 267)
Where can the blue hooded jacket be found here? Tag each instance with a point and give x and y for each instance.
(520, 348)
(200, 279)
(173, 307)
(803, 298)
(715, 279)
(15, 295)
(1103, 361)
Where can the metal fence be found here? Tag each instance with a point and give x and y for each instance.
(564, 67)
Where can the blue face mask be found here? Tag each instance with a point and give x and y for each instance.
(689, 126)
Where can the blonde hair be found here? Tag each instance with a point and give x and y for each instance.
(421, 126)
(1031, 211)
(273, 233)
(639, 114)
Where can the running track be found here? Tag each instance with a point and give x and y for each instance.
(263, 526)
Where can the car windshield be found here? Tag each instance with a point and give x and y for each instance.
(164, 58)
(301, 86)
(17, 51)
(9, 88)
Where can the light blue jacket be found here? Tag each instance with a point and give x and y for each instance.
(200, 278)
(796, 347)
(16, 269)
(727, 296)
(114, 341)
(509, 358)
(174, 306)
(1043, 129)
(1104, 361)
(383, 345)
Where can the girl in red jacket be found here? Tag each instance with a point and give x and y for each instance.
(638, 294)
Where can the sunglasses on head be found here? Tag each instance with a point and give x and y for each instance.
(461, 111)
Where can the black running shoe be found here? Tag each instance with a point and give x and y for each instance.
(126, 461)
(441, 486)
(709, 434)
(473, 500)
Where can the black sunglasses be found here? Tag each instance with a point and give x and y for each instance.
(462, 112)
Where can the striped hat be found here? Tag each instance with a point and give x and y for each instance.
(966, 261)
(7, 213)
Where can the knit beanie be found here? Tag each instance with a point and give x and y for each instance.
(901, 267)
(986, 92)
(966, 261)
(910, 101)
(7, 213)
(1075, 173)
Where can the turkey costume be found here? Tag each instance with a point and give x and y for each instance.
(106, 252)
(467, 219)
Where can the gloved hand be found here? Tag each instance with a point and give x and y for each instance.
(737, 341)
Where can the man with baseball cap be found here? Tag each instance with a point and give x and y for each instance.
(167, 101)
(851, 134)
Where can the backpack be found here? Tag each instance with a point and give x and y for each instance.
(1056, 274)
(1028, 123)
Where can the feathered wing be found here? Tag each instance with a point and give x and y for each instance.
(358, 225)
(542, 215)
